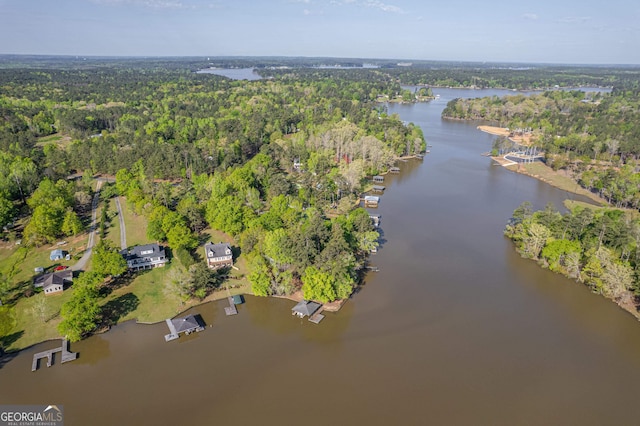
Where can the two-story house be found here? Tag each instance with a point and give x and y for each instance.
(218, 255)
(147, 256)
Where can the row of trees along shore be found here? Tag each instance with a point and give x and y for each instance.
(599, 247)
(278, 164)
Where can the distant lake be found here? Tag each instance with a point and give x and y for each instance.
(233, 73)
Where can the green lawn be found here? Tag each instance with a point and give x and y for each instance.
(547, 174)
(37, 318)
(148, 296)
(136, 225)
(113, 233)
(156, 296)
(18, 262)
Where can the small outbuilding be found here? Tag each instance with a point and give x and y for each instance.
(394, 170)
(378, 188)
(378, 179)
(56, 254)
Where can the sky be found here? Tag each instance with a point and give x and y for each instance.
(541, 31)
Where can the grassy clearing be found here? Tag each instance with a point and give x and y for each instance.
(61, 140)
(18, 262)
(546, 174)
(136, 226)
(113, 232)
(37, 318)
(156, 296)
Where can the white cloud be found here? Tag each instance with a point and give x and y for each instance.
(575, 19)
(530, 16)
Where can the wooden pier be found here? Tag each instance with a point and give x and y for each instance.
(231, 309)
(317, 316)
(64, 349)
(173, 332)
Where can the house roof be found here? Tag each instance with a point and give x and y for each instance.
(217, 250)
(185, 323)
(152, 249)
(56, 254)
(371, 198)
(55, 278)
(306, 307)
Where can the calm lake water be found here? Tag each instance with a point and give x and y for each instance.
(233, 73)
(455, 329)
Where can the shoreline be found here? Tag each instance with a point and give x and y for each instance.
(505, 132)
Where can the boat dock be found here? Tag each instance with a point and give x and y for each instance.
(394, 170)
(317, 316)
(173, 332)
(231, 309)
(66, 355)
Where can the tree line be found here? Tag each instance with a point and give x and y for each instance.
(598, 247)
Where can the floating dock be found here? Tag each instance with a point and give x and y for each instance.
(317, 317)
(66, 355)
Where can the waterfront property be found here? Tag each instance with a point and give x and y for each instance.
(54, 282)
(371, 201)
(218, 255)
(147, 256)
(375, 218)
(307, 308)
(378, 179)
(186, 325)
(378, 188)
(394, 170)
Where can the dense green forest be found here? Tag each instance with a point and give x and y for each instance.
(279, 164)
(599, 247)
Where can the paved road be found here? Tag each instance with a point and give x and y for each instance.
(123, 231)
(82, 263)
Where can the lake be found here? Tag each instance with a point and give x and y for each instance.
(456, 328)
(233, 73)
